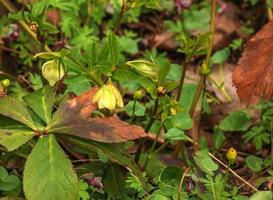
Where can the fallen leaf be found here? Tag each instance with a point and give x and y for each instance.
(74, 118)
(253, 75)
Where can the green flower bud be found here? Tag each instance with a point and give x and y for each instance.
(172, 111)
(108, 97)
(6, 83)
(138, 94)
(204, 69)
(147, 69)
(53, 71)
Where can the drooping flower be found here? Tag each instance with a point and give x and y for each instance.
(53, 71)
(108, 97)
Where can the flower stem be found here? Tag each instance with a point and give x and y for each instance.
(122, 11)
(202, 79)
(147, 129)
(83, 69)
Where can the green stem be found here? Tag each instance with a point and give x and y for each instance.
(212, 188)
(122, 11)
(202, 79)
(147, 129)
(91, 76)
(221, 87)
(151, 155)
(182, 80)
(153, 147)
(133, 113)
(271, 130)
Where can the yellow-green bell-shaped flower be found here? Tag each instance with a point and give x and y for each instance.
(53, 71)
(108, 97)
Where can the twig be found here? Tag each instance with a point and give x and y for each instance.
(181, 182)
(234, 173)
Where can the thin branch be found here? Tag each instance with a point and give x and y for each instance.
(181, 182)
(233, 172)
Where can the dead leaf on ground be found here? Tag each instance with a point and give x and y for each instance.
(74, 118)
(253, 75)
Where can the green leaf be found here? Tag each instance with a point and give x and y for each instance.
(41, 102)
(139, 109)
(12, 139)
(158, 197)
(220, 56)
(125, 74)
(270, 3)
(38, 8)
(114, 182)
(48, 173)
(175, 72)
(218, 138)
(83, 84)
(254, 163)
(8, 182)
(177, 134)
(11, 198)
(204, 162)
(127, 45)
(182, 121)
(187, 95)
(164, 70)
(235, 121)
(113, 49)
(171, 175)
(113, 152)
(262, 195)
(51, 55)
(14, 109)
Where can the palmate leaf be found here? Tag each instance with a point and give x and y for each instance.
(41, 102)
(16, 110)
(12, 139)
(74, 117)
(48, 173)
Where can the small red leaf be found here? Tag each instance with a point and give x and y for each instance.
(74, 118)
(253, 75)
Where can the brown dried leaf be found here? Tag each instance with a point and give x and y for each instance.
(74, 118)
(253, 75)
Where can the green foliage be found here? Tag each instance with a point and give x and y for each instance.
(235, 121)
(114, 182)
(16, 110)
(12, 139)
(122, 43)
(135, 108)
(204, 162)
(8, 182)
(220, 56)
(265, 195)
(41, 102)
(254, 163)
(53, 171)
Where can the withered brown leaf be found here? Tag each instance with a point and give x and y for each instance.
(73, 117)
(253, 75)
